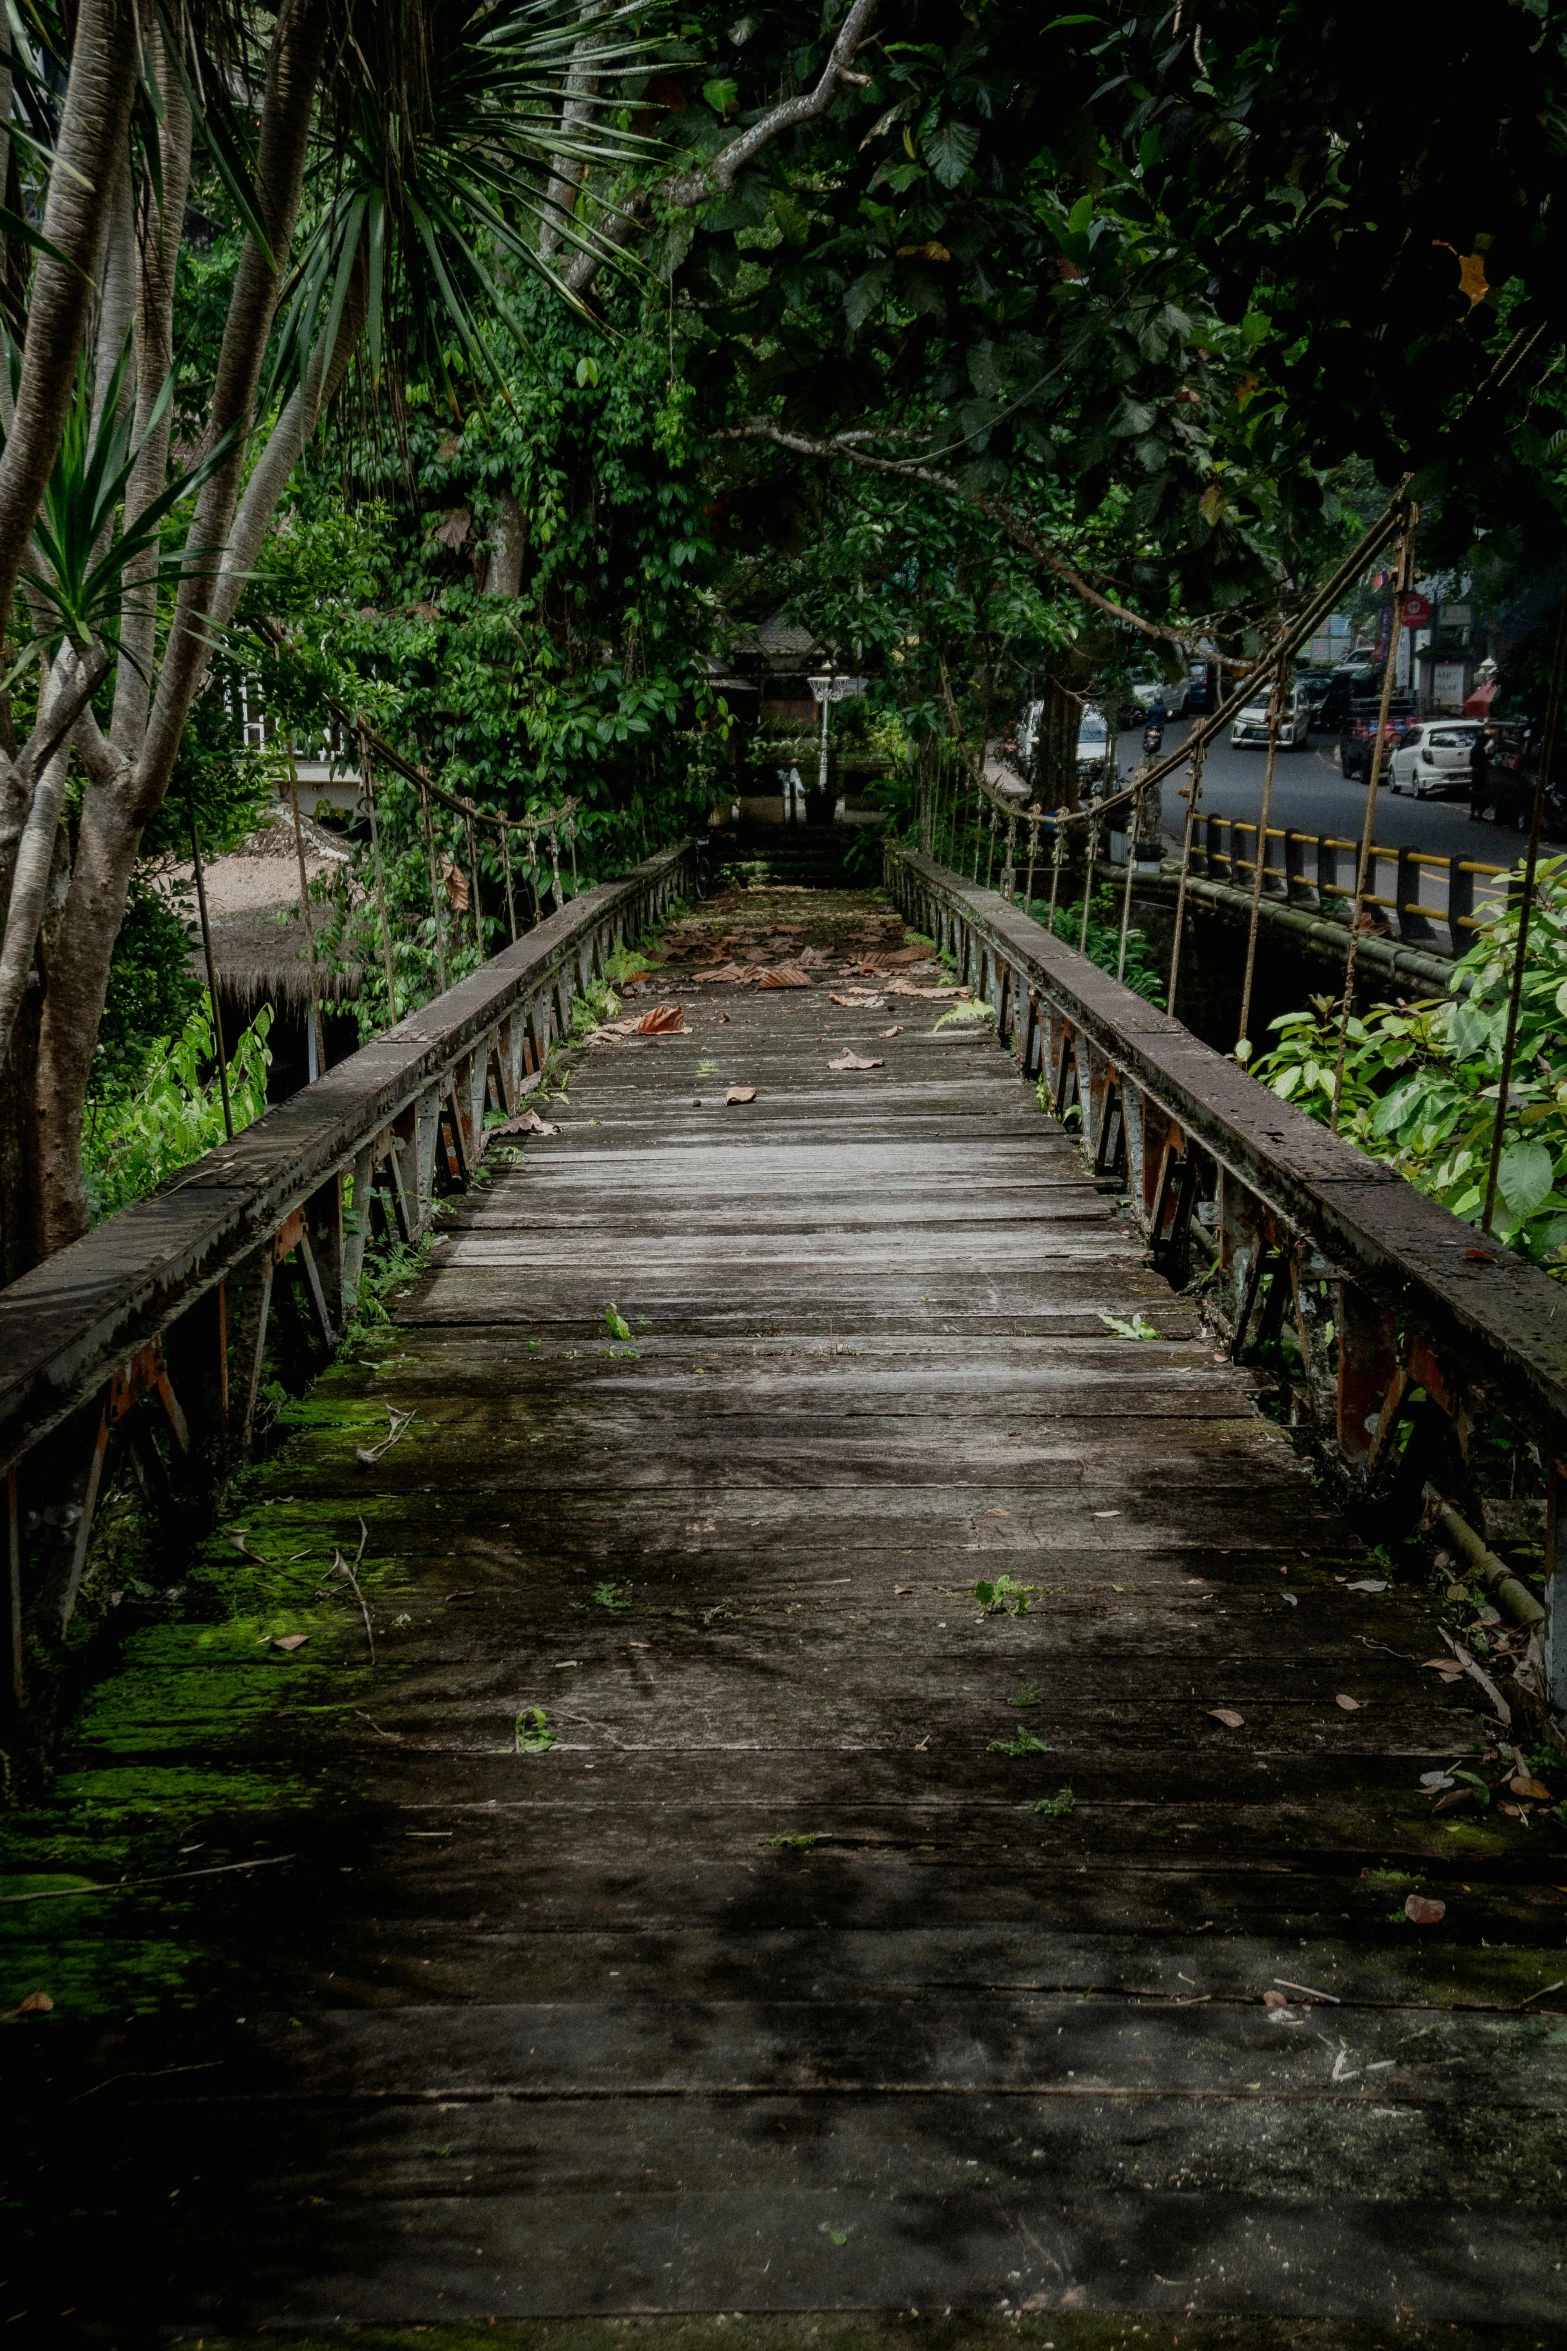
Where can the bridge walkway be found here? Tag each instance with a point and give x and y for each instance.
(889, 1791)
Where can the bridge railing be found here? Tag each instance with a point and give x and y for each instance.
(1439, 903)
(1400, 1331)
(153, 1329)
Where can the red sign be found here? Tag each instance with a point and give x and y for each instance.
(1417, 610)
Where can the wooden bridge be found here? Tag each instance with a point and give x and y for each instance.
(887, 1804)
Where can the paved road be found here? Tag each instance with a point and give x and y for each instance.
(1311, 796)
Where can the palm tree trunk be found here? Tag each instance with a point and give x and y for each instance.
(293, 73)
(81, 190)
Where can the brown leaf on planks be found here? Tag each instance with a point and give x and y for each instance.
(527, 1122)
(1228, 1716)
(784, 975)
(1536, 1790)
(291, 1641)
(1275, 2000)
(664, 1020)
(932, 995)
(1422, 1911)
(741, 1094)
(905, 955)
(847, 1060)
(35, 2004)
(894, 1031)
(1448, 1667)
(1350, 1705)
(731, 975)
(814, 956)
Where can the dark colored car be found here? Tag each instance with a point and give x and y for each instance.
(1202, 690)
(1351, 682)
(1360, 733)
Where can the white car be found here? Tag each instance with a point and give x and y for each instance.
(1095, 749)
(1432, 761)
(1250, 728)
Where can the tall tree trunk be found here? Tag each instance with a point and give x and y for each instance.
(81, 189)
(293, 71)
(107, 845)
(159, 250)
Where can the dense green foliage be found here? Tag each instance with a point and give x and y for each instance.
(1421, 1081)
(176, 1113)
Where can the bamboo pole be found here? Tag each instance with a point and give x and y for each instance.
(1275, 713)
(317, 1031)
(1406, 556)
(367, 775)
(212, 974)
(1193, 795)
(1531, 862)
(435, 888)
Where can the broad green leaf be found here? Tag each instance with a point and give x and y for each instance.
(950, 150)
(1525, 1177)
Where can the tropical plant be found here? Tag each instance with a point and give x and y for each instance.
(1421, 1081)
(176, 1113)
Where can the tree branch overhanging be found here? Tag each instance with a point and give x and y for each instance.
(684, 190)
(845, 447)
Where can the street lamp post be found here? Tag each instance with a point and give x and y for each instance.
(827, 690)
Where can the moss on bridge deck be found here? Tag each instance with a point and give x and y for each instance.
(784, 1869)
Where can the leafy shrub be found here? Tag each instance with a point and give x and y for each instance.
(1103, 946)
(1421, 1080)
(176, 1113)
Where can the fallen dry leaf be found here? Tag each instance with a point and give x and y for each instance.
(1443, 1665)
(1275, 2000)
(741, 1094)
(1350, 1705)
(894, 1031)
(291, 1641)
(1366, 1584)
(732, 975)
(1421, 1911)
(527, 1122)
(933, 995)
(814, 956)
(905, 955)
(35, 2004)
(848, 1060)
(784, 975)
(1452, 1802)
(1228, 1716)
(664, 1020)
(1535, 1790)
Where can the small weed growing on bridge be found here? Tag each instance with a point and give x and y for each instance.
(1027, 1696)
(613, 1596)
(1005, 1597)
(975, 1009)
(1138, 1328)
(801, 1844)
(534, 1736)
(616, 1322)
(1058, 1805)
(1022, 1742)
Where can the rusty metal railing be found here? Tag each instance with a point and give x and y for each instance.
(1439, 903)
(1406, 1330)
(152, 1330)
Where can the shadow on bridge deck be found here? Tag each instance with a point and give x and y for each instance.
(842, 1945)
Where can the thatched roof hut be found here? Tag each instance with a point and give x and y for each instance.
(258, 934)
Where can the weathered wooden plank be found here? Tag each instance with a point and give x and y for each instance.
(767, 1988)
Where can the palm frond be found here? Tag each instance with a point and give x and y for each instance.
(440, 127)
